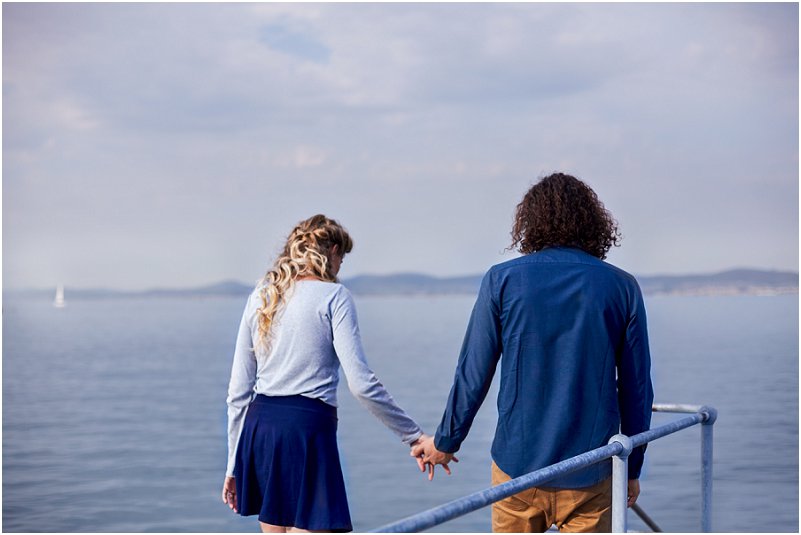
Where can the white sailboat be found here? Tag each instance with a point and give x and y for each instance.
(59, 302)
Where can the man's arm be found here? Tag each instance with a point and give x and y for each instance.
(635, 391)
(478, 358)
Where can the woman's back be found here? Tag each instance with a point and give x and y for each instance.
(301, 358)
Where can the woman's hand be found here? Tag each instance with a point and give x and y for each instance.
(229, 493)
(428, 456)
(419, 458)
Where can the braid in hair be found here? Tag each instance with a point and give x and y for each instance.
(305, 254)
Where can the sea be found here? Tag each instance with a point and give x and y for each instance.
(114, 416)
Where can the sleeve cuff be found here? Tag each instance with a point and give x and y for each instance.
(446, 445)
(413, 437)
(636, 461)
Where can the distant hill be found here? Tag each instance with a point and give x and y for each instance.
(224, 288)
(412, 284)
(731, 282)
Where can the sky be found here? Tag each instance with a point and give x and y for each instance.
(158, 145)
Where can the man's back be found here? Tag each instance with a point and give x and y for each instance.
(564, 317)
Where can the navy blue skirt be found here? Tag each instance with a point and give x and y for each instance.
(287, 465)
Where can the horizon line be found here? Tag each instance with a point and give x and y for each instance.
(344, 279)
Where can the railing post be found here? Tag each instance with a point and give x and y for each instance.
(620, 484)
(706, 467)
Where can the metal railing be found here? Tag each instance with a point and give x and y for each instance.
(618, 449)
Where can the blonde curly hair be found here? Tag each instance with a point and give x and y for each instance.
(306, 253)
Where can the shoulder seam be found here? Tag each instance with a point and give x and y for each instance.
(603, 265)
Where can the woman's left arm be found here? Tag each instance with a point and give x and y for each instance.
(362, 382)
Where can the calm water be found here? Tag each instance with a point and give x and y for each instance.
(114, 413)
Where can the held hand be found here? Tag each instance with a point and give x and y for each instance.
(416, 451)
(418, 445)
(633, 491)
(428, 456)
(229, 493)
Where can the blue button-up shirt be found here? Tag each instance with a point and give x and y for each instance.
(575, 369)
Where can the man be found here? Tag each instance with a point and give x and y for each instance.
(575, 369)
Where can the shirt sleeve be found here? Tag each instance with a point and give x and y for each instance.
(243, 378)
(478, 359)
(362, 382)
(634, 388)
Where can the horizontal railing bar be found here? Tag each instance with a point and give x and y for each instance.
(467, 504)
(676, 407)
(667, 429)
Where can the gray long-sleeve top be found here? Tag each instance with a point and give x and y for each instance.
(315, 333)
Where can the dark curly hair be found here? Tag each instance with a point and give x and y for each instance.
(561, 210)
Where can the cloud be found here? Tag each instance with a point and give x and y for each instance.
(295, 43)
(72, 117)
(141, 125)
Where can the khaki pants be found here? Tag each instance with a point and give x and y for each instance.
(584, 510)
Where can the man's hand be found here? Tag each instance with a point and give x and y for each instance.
(229, 493)
(428, 456)
(634, 491)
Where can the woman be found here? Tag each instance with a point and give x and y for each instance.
(298, 327)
